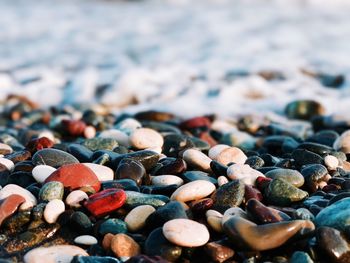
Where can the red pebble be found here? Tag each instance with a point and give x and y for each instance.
(38, 144)
(74, 127)
(196, 122)
(9, 205)
(105, 202)
(252, 193)
(75, 176)
(262, 182)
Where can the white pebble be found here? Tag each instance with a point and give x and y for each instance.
(128, 125)
(41, 172)
(102, 172)
(121, 137)
(186, 233)
(7, 163)
(222, 180)
(342, 143)
(231, 155)
(54, 254)
(75, 197)
(30, 199)
(244, 173)
(193, 191)
(6, 147)
(197, 159)
(52, 210)
(144, 138)
(89, 132)
(163, 180)
(85, 240)
(215, 150)
(331, 162)
(136, 218)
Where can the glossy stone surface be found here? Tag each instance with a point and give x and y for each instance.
(9, 205)
(53, 157)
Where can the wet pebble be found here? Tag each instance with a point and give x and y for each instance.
(52, 210)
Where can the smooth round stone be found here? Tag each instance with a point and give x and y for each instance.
(52, 210)
(10, 189)
(304, 157)
(130, 169)
(255, 162)
(316, 148)
(342, 143)
(216, 150)
(53, 254)
(336, 215)
(125, 184)
(136, 218)
(229, 195)
(144, 138)
(9, 206)
(5, 149)
(85, 240)
(113, 226)
(147, 158)
(222, 180)
(42, 172)
(162, 180)
(80, 222)
(157, 244)
(103, 173)
(172, 166)
(51, 190)
(74, 198)
(291, 176)
(7, 163)
(171, 210)
(244, 173)
(79, 151)
(75, 176)
(105, 202)
(231, 155)
(95, 144)
(315, 176)
(135, 199)
(128, 125)
(191, 176)
(331, 162)
(282, 193)
(197, 159)
(53, 157)
(121, 137)
(176, 143)
(193, 191)
(124, 246)
(304, 109)
(247, 235)
(186, 233)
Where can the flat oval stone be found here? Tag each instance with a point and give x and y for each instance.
(229, 195)
(144, 138)
(124, 247)
(10, 189)
(197, 159)
(331, 162)
(291, 176)
(304, 109)
(121, 137)
(80, 222)
(74, 198)
(113, 226)
(95, 144)
(130, 169)
(248, 235)
(186, 233)
(5, 149)
(135, 199)
(176, 143)
(216, 150)
(42, 172)
(53, 254)
(157, 244)
(175, 167)
(136, 218)
(53, 157)
(75, 176)
(51, 190)
(105, 202)
(193, 191)
(162, 180)
(231, 155)
(304, 157)
(85, 240)
(147, 158)
(9, 206)
(7, 163)
(191, 176)
(52, 210)
(315, 175)
(102, 172)
(244, 173)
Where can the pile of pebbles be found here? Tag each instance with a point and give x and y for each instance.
(86, 185)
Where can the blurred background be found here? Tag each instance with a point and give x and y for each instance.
(186, 56)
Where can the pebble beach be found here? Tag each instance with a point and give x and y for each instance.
(174, 131)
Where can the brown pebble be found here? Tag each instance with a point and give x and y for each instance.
(124, 246)
(106, 242)
(218, 252)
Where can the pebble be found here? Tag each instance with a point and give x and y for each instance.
(7, 163)
(136, 218)
(216, 150)
(135, 199)
(128, 125)
(80, 222)
(144, 138)
(131, 169)
(191, 176)
(304, 109)
(244, 173)
(10, 189)
(193, 191)
(222, 180)
(94, 259)
(5, 149)
(331, 162)
(9, 206)
(229, 195)
(52, 210)
(231, 155)
(103, 173)
(124, 246)
(75, 176)
(42, 172)
(121, 137)
(50, 191)
(113, 226)
(291, 176)
(53, 157)
(95, 144)
(186, 233)
(53, 254)
(197, 159)
(74, 198)
(218, 252)
(342, 143)
(86, 240)
(161, 180)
